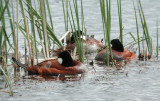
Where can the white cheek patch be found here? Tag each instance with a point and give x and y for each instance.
(59, 60)
(83, 37)
(111, 45)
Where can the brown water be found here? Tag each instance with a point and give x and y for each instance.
(137, 81)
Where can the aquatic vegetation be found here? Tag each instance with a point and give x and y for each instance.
(6, 75)
(139, 47)
(71, 16)
(38, 30)
(157, 48)
(146, 35)
(106, 20)
(145, 28)
(5, 42)
(120, 20)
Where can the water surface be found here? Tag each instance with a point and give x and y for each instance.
(137, 81)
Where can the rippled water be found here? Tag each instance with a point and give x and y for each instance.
(137, 81)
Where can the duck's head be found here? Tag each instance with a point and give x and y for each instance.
(79, 35)
(65, 59)
(117, 45)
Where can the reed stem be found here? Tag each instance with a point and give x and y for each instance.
(120, 20)
(157, 41)
(7, 76)
(45, 29)
(27, 32)
(106, 20)
(139, 50)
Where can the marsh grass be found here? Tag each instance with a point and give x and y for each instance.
(49, 12)
(32, 29)
(35, 17)
(72, 18)
(157, 48)
(146, 37)
(6, 75)
(27, 32)
(65, 14)
(42, 4)
(45, 31)
(144, 26)
(105, 7)
(139, 47)
(120, 20)
(5, 44)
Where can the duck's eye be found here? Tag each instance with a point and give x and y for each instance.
(59, 60)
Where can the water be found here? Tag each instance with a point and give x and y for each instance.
(137, 81)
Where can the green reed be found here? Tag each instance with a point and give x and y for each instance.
(11, 22)
(132, 36)
(65, 14)
(16, 35)
(44, 28)
(50, 31)
(27, 30)
(49, 12)
(3, 9)
(74, 21)
(7, 76)
(5, 44)
(144, 26)
(120, 20)
(106, 20)
(38, 22)
(137, 28)
(34, 51)
(4, 36)
(157, 41)
(82, 18)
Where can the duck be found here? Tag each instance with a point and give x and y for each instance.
(89, 43)
(62, 65)
(118, 51)
(92, 45)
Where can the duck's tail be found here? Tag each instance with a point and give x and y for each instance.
(18, 63)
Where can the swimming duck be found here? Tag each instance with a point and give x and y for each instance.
(64, 65)
(89, 43)
(118, 51)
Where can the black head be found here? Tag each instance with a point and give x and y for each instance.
(66, 59)
(78, 34)
(117, 45)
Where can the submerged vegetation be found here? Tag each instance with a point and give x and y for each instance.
(38, 29)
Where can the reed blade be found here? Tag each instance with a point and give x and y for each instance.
(137, 28)
(157, 41)
(106, 20)
(120, 20)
